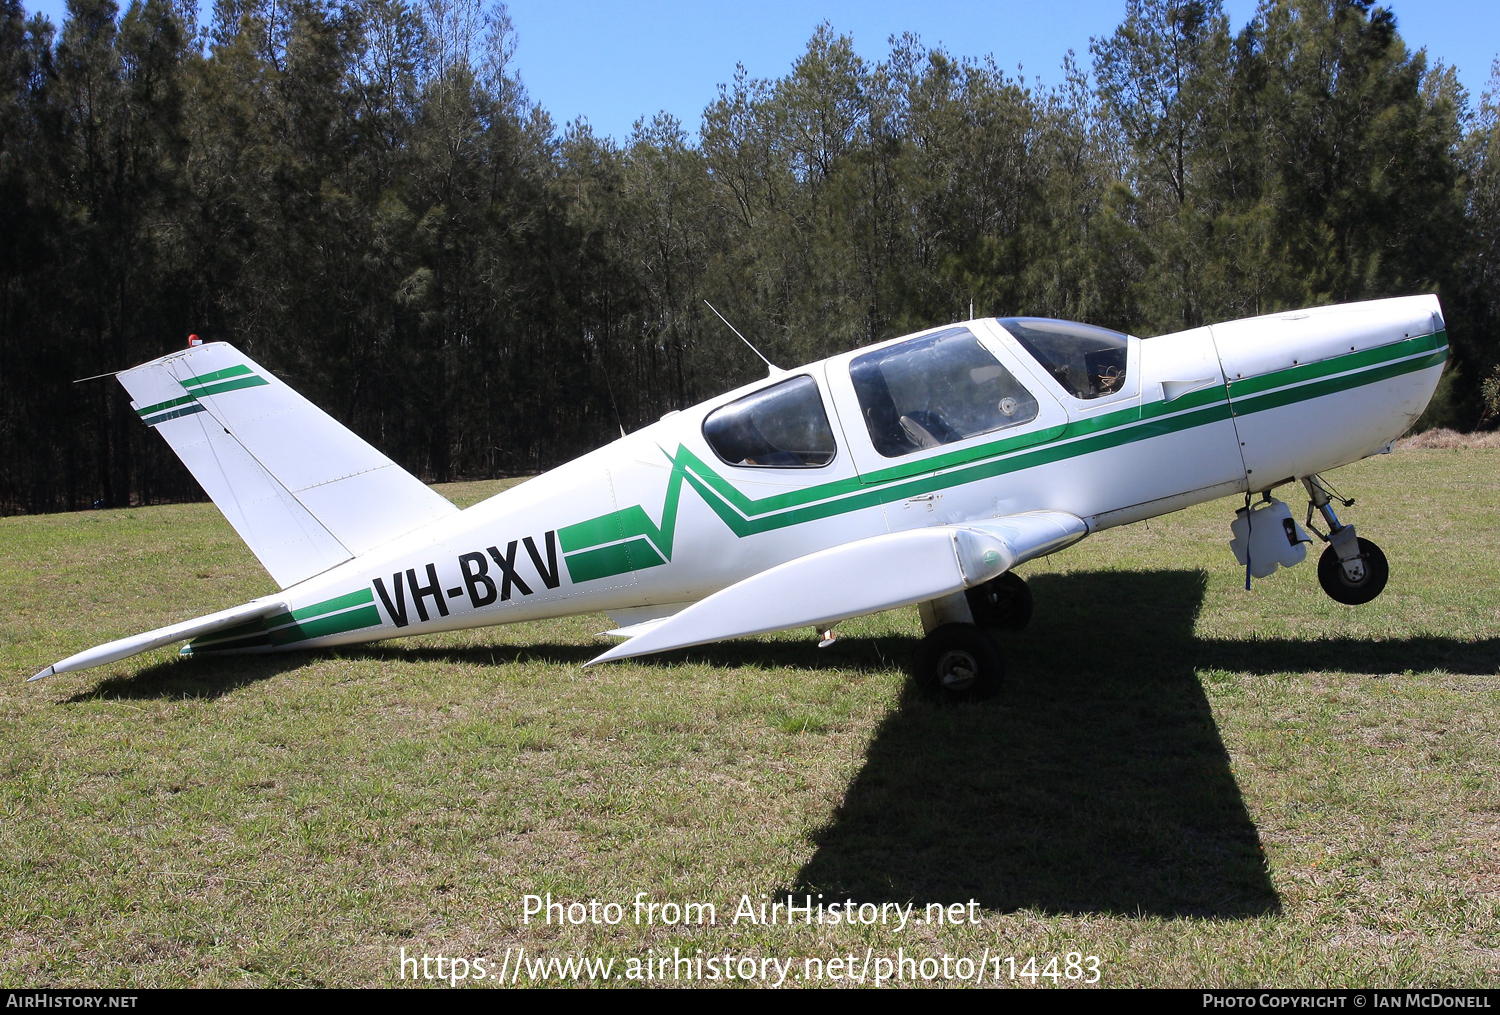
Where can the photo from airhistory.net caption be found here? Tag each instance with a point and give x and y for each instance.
(689, 965)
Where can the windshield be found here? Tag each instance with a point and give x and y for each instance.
(1089, 362)
(935, 390)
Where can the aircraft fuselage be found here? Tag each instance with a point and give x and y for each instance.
(660, 518)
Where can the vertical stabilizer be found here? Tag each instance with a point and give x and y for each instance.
(303, 491)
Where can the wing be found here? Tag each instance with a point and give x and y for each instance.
(865, 576)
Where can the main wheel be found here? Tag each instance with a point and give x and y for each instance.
(1336, 581)
(959, 662)
(1002, 603)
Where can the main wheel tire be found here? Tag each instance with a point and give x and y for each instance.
(1002, 603)
(959, 662)
(1337, 584)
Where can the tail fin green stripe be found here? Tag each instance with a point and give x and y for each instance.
(235, 385)
(217, 375)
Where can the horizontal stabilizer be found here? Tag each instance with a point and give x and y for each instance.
(138, 643)
(303, 492)
(866, 576)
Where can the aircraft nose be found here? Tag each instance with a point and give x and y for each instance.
(1262, 349)
(1314, 389)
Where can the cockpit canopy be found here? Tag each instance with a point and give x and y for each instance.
(1088, 361)
(924, 392)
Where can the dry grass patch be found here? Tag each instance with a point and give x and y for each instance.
(1443, 439)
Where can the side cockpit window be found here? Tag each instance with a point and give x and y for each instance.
(1088, 362)
(935, 390)
(780, 427)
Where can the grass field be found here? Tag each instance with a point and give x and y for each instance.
(1194, 784)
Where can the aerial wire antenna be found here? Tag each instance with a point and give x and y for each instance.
(604, 369)
(773, 367)
(193, 342)
(611, 388)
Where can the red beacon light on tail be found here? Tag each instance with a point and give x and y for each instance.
(194, 340)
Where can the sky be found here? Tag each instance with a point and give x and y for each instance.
(615, 62)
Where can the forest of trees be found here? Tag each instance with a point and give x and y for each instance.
(360, 195)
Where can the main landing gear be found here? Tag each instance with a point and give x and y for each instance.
(959, 662)
(1352, 570)
(959, 659)
(1002, 604)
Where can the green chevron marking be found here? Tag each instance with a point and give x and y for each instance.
(616, 558)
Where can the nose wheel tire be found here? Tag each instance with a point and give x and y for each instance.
(1365, 585)
(1003, 603)
(958, 662)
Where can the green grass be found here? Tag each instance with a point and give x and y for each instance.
(1197, 785)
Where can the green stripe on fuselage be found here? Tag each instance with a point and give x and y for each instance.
(266, 629)
(338, 623)
(1240, 387)
(745, 516)
(1317, 389)
(289, 633)
(364, 595)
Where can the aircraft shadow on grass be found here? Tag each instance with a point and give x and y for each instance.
(1096, 783)
(208, 677)
(215, 676)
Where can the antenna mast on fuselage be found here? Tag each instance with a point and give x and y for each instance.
(774, 369)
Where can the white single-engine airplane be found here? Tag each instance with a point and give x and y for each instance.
(920, 470)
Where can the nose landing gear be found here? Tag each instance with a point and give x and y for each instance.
(1353, 571)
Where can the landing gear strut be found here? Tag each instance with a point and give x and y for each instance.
(1352, 570)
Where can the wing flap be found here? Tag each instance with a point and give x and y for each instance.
(124, 648)
(865, 576)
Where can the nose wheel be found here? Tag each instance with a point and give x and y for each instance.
(1356, 580)
(958, 662)
(1352, 570)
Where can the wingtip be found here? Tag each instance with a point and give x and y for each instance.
(49, 671)
(607, 656)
